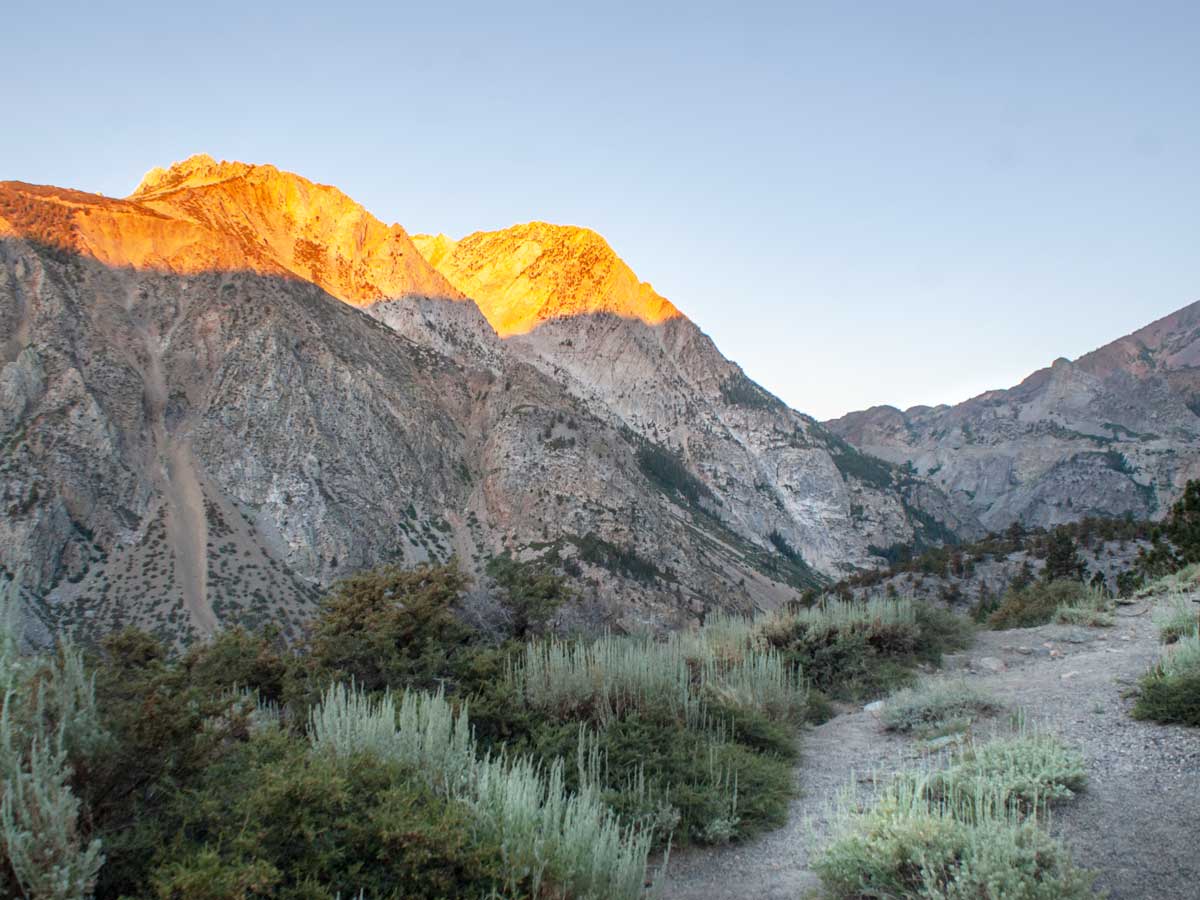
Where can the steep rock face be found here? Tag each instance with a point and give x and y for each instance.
(1113, 432)
(567, 303)
(194, 435)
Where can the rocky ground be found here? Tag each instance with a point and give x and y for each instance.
(1136, 824)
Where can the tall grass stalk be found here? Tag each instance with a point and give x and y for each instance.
(548, 834)
(608, 678)
(1177, 618)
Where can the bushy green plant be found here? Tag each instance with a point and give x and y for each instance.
(1028, 770)
(605, 679)
(1092, 608)
(532, 592)
(1170, 691)
(1184, 580)
(391, 627)
(274, 819)
(48, 725)
(934, 704)
(1037, 604)
(905, 846)
(858, 650)
(1178, 618)
(546, 833)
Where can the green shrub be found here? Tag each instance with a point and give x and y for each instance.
(605, 679)
(1028, 770)
(532, 592)
(1093, 608)
(1170, 692)
(859, 650)
(1178, 619)
(934, 706)
(390, 628)
(1037, 604)
(905, 846)
(1182, 581)
(275, 819)
(546, 834)
(48, 728)
(941, 631)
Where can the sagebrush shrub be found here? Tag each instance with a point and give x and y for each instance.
(905, 846)
(934, 704)
(1028, 770)
(547, 834)
(1037, 603)
(1178, 618)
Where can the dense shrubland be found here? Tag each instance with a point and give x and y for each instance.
(398, 752)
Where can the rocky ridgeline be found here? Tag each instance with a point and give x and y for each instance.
(236, 385)
(1111, 433)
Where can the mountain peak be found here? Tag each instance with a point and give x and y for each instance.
(159, 178)
(529, 274)
(312, 230)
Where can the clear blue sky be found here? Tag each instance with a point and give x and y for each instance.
(901, 202)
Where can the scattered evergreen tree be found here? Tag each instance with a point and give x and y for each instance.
(1062, 557)
(533, 592)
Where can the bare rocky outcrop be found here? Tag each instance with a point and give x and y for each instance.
(1114, 432)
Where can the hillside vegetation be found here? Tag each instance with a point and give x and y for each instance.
(397, 752)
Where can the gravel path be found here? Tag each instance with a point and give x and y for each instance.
(1137, 824)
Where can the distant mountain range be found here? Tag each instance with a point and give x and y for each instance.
(1115, 432)
(234, 386)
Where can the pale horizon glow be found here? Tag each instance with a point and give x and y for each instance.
(861, 204)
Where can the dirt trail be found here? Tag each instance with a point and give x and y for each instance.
(1137, 824)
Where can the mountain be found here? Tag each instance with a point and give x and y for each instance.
(570, 306)
(1116, 431)
(234, 386)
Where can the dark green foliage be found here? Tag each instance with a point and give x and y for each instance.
(1182, 527)
(852, 663)
(680, 766)
(668, 472)
(1170, 700)
(532, 591)
(390, 627)
(622, 560)
(1062, 557)
(940, 631)
(274, 820)
(863, 660)
(786, 550)
(738, 390)
(1035, 604)
(853, 463)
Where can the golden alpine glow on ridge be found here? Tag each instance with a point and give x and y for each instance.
(202, 215)
(528, 274)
